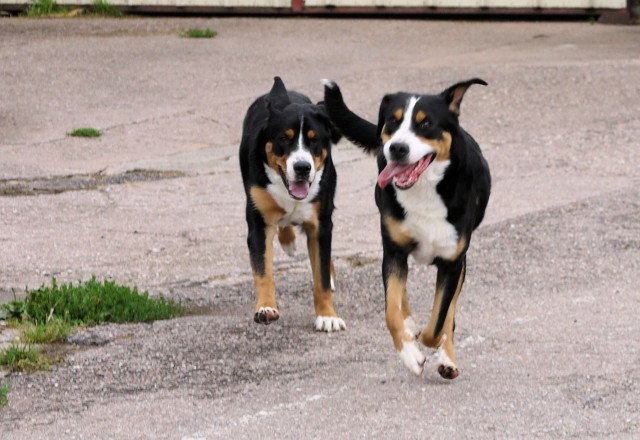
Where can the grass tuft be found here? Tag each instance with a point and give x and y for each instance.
(87, 132)
(94, 303)
(105, 9)
(55, 330)
(5, 387)
(45, 7)
(200, 33)
(22, 358)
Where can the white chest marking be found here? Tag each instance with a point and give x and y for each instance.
(426, 216)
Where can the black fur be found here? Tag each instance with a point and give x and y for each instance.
(268, 124)
(464, 188)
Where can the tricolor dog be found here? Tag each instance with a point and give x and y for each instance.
(433, 188)
(289, 180)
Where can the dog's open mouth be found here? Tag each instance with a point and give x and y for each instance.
(298, 189)
(406, 175)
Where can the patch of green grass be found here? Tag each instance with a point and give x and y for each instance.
(96, 302)
(22, 358)
(12, 311)
(45, 7)
(87, 132)
(55, 330)
(5, 387)
(199, 33)
(105, 9)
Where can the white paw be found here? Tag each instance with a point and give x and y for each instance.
(329, 324)
(412, 328)
(289, 248)
(412, 357)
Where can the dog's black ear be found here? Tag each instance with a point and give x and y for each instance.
(278, 97)
(321, 112)
(382, 113)
(454, 94)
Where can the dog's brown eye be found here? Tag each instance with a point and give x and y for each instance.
(285, 140)
(425, 124)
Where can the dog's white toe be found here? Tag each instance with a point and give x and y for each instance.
(412, 357)
(329, 324)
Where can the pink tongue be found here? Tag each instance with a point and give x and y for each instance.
(390, 171)
(299, 189)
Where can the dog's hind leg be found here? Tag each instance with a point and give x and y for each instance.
(319, 247)
(439, 332)
(287, 239)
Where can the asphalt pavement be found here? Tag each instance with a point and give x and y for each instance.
(547, 320)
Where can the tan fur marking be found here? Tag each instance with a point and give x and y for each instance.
(286, 235)
(322, 299)
(290, 132)
(384, 136)
(441, 146)
(265, 285)
(406, 311)
(420, 116)
(397, 233)
(396, 293)
(318, 161)
(398, 113)
(277, 163)
(311, 134)
(265, 203)
(427, 337)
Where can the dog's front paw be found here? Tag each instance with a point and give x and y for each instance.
(412, 357)
(266, 315)
(329, 324)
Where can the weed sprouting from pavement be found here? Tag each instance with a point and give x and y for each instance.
(45, 7)
(20, 357)
(200, 33)
(5, 387)
(105, 9)
(87, 132)
(55, 330)
(96, 302)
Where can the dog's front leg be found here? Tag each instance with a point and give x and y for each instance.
(439, 333)
(398, 316)
(319, 246)
(260, 242)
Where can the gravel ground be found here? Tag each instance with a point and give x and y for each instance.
(546, 319)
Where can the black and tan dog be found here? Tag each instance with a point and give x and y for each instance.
(289, 180)
(433, 188)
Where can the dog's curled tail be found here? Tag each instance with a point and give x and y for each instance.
(358, 130)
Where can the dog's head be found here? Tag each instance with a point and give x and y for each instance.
(416, 131)
(299, 137)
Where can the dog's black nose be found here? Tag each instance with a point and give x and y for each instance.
(398, 151)
(302, 168)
